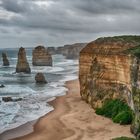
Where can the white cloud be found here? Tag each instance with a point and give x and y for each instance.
(56, 22)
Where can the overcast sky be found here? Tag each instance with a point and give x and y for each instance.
(28, 23)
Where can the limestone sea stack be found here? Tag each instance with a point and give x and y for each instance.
(5, 59)
(110, 69)
(22, 64)
(40, 78)
(41, 57)
(69, 51)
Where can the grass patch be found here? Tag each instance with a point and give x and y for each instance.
(124, 117)
(123, 38)
(128, 38)
(123, 138)
(117, 110)
(135, 51)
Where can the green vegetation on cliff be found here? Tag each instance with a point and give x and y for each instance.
(117, 110)
(135, 51)
(123, 38)
(123, 138)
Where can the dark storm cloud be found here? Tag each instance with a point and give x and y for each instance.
(64, 21)
(14, 6)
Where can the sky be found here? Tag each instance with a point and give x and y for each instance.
(29, 23)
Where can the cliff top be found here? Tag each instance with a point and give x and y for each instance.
(40, 50)
(123, 39)
(40, 47)
(114, 45)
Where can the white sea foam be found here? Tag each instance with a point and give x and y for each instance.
(67, 62)
(16, 90)
(7, 114)
(69, 78)
(34, 103)
(30, 108)
(46, 69)
(25, 113)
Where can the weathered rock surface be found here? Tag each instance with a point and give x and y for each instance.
(5, 59)
(70, 51)
(40, 78)
(41, 57)
(110, 68)
(22, 64)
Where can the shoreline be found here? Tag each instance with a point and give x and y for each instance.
(71, 119)
(28, 127)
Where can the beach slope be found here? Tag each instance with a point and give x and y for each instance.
(73, 119)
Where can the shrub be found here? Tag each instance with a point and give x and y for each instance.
(124, 117)
(99, 111)
(117, 110)
(123, 138)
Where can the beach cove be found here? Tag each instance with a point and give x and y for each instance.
(72, 119)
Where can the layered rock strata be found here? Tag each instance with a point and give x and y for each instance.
(22, 63)
(41, 57)
(5, 59)
(109, 69)
(69, 51)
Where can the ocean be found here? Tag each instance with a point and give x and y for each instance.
(35, 97)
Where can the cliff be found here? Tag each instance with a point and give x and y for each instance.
(70, 51)
(110, 69)
(41, 57)
(5, 60)
(22, 64)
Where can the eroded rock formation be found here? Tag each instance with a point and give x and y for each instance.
(70, 51)
(40, 78)
(22, 64)
(5, 59)
(110, 68)
(41, 57)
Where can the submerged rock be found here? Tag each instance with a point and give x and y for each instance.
(10, 99)
(7, 99)
(41, 57)
(22, 64)
(110, 69)
(40, 78)
(5, 59)
(2, 86)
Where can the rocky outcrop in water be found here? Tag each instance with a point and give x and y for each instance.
(7, 99)
(2, 86)
(40, 78)
(70, 51)
(5, 59)
(110, 69)
(10, 99)
(22, 64)
(41, 57)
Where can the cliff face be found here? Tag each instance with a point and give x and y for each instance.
(5, 60)
(70, 51)
(110, 68)
(22, 64)
(41, 57)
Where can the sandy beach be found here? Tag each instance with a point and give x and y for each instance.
(72, 119)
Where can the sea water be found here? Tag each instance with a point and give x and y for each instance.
(35, 97)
